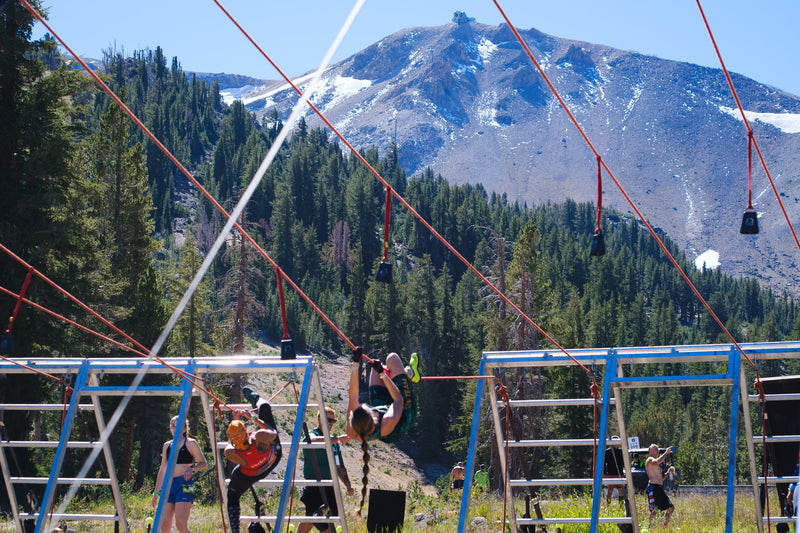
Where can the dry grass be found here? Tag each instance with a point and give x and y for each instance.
(439, 514)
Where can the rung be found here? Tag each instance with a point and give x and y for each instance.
(293, 519)
(552, 402)
(574, 520)
(70, 517)
(297, 483)
(547, 482)
(47, 444)
(61, 480)
(776, 438)
(549, 442)
(574, 481)
(778, 479)
(775, 397)
(42, 406)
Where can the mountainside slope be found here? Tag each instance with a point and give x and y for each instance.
(465, 100)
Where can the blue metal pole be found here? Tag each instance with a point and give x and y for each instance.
(610, 373)
(734, 360)
(473, 446)
(293, 449)
(63, 440)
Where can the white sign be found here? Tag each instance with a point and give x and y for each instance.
(633, 443)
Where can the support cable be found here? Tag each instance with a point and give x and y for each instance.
(400, 199)
(747, 124)
(232, 217)
(619, 186)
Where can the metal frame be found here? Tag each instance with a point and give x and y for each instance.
(88, 377)
(613, 361)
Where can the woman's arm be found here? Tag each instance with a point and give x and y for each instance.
(160, 476)
(232, 456)
(197, 453)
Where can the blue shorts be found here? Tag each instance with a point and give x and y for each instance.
(181, 490)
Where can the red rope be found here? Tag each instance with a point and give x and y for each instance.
(386, 219)
(622, 190)
(747, 125)
(19, 299)
(34, 370)
(283, 305)
(750, 169)
(489, 376)
(183, 170)
(599, 193)
(73, 323)
(759, 385)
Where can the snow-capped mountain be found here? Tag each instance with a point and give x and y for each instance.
(465, 100)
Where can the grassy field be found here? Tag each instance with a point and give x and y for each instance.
(439, 514)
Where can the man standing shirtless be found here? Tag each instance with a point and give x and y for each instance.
(656, 496)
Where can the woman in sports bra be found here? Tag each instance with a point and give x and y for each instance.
(392, 405)
(180, 497)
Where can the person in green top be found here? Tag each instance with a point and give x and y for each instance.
(317, 498)
(482, 479)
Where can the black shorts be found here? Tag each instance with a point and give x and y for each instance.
(458, 483)
(656, 497)
(312, 498)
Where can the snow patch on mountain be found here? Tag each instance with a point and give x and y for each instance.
(334, 91)
(709, 259)
(786, 122)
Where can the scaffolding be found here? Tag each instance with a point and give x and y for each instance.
(610, 369)
(88, 389)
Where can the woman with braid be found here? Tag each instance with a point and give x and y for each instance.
(392, 406)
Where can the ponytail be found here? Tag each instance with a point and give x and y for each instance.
(365, 449)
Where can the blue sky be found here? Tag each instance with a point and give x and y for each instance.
(760, 40)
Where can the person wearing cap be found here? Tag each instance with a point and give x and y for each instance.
(318, 500)
(457, 476)
(481, 481)
(255, 454)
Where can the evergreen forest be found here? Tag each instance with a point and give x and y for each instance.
(88, 200)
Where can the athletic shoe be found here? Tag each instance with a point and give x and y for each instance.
(250, 395)
(413, 369)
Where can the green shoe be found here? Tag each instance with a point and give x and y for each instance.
(250, 395)
(413, 368)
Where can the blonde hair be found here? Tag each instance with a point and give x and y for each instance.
(237, 434)
(185, 425)
(362, 423)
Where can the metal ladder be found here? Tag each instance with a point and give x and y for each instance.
(613, 362)
(88, 384)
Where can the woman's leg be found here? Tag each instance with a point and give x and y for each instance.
(182, 510)
(394, 364)
(167, 517)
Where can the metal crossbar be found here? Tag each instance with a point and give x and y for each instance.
(610, 363)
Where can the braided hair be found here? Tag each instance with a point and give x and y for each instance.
(363, 424)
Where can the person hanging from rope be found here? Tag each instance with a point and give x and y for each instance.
(181, 492)
(392, 405)
(255, 455)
